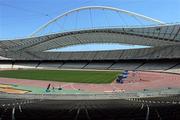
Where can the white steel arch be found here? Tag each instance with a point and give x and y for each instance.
(97, 7)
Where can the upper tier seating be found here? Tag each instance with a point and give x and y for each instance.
(162, 52)
(3, 58)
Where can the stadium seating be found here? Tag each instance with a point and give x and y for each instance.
(98, 65)
(146, 59)
(125, 65)
(65, 56)
(88, 55)
(100, 55)
(49, 65)
(162, 52)
(175, 69)
(76, 55)
(161, 66)
(25, 65)
(73, 65)
(5, 65)
(157, 66)
(3, 58)
(114, 55)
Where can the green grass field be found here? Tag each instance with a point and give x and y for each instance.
(63, 75)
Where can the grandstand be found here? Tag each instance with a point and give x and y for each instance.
(161, 58)
(168, 50)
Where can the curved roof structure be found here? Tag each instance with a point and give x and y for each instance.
(133, 14)
(149, 36)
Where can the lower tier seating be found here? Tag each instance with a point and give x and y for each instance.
(73, 65)
(24, 65)
(157, 66)
(49, 65)
(125, 65)
(175, 69)
(98, 65)
(161, 66)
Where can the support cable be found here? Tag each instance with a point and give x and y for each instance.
(91, 18)
(106, 18)
(64, 22)
(123, 20)
(57, 24)
(138, 20)
(76, 24)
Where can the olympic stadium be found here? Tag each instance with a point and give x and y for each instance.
(134, 84)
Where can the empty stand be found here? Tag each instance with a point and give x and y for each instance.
(98, 65)
(49, 65)
(88, 56)
(157, 66)
(162, 52)
(25, 65)
(114, 55)
(100, 55)
(125, 65)
(65, 56)
(3, 58)
(5, 65)
(172, 66)
(73, 65)
(175, 69)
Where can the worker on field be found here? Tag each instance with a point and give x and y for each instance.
(48, 87)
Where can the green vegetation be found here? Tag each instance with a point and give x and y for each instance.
(63, 75)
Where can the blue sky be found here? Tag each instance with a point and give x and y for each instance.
(97, 47)
(19, 18)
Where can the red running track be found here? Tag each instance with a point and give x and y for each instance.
(136, 81)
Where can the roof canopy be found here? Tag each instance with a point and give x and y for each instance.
(149, 36)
